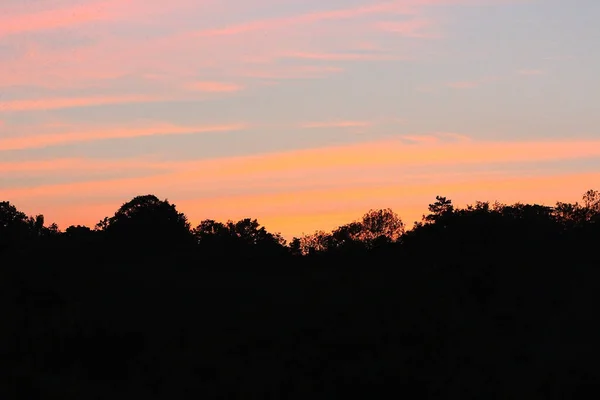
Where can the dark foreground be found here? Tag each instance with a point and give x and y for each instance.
(511, 330)
(486, 302)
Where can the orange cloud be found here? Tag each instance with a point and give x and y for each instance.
(390, 153)
(88, 135)
(327, 181)
(372, 158)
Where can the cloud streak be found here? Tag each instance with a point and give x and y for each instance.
(413, 28)
(97, 134)
(306, 18)
(74, 15)
(324, 181)
(62, 58)
(39, 17)
(181, 45)
(531, 72)
(444, 149)
(337, 124)
(215, 87)
(74, 102)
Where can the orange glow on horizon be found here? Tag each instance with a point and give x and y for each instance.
(296, 212)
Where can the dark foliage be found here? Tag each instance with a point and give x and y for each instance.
(486, 301)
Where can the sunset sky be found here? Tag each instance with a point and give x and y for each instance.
(303, 114)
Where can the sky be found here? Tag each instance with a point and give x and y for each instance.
(303, 114)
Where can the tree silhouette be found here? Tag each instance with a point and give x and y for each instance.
(209, 231)
(146, 221)
(318, 242)
(13, 226)
(244, 237)
(376, 228)
(347, 237)
(10, 217)
(382, 225)
(591, 203)
(441, 208)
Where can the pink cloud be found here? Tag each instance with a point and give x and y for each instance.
(288, 72)
(59, 18)
(308, 18)
(77, 165)
(94, 134)
(218, 87)
(340, 56)
(229, 49)
(28, 18)
(73, 102)
(103, 60)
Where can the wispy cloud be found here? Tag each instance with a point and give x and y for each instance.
(337, 124)
(67, 54)
(531, 72)
(44, 16)
(270, 72)
(464, 84)
(72, 15)
(470, 84)
(215, 87)
(74, 102)
(311, 182)
(343, 56)
(96, 134)
(307, 18)
(182, 47)
(78, 165)
(428, 150)
(414, 28)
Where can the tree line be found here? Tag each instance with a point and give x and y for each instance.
(148, 225)
(485, 301)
